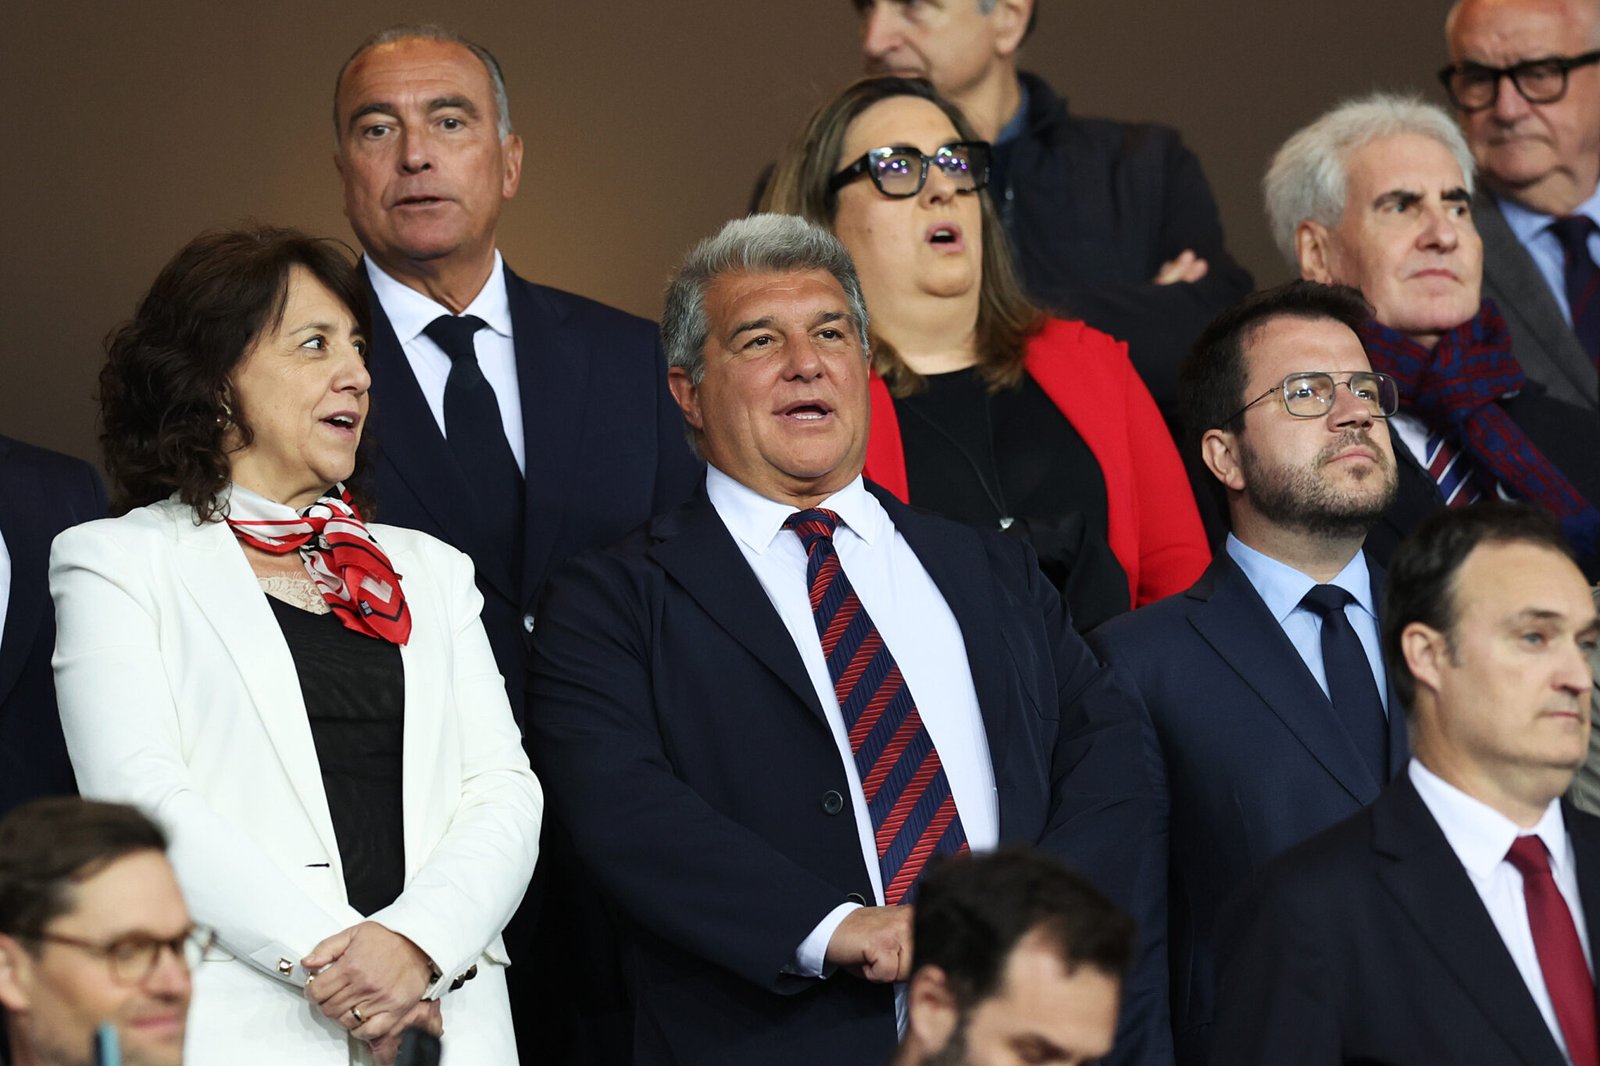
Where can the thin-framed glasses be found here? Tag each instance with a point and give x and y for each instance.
(901, 171)
(1475, 87)
(1310, 394)
(133, 958)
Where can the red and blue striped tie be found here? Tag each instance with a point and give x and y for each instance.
(913, 814)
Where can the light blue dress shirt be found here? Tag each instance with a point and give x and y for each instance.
(1533, 230)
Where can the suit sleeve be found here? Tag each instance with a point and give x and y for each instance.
(1173, 552)
(678, 868)
(121, 727)
(464, 894)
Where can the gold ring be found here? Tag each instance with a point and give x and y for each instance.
(355, 1012)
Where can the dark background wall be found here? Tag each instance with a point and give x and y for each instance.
(135, 126)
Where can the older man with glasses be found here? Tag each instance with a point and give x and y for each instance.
(93, 933)
(1524, 77)
(1377, 194)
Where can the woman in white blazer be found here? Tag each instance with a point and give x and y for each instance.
(306, 703)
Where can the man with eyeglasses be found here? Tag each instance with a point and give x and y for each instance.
(93, 930)
(1524, 77)
(1269, 715)
(1376, 193)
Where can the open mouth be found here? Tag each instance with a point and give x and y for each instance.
(806, 411)
(945, 234)
(346, 423)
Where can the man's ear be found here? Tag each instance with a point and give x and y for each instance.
(1219, 450)
(1313, 249)
(1426, 651)
(511, 152)
(16, 975)
(1010, 21)
(687, 393)
(931, 1011)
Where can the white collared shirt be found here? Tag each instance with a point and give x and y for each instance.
(917, 626)
(1481, 837)
(5, 582)
(1282, 587)
(410, 312)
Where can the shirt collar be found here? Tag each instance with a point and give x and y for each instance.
(1527, 223)
(1018, 122)
(1480, 835)
(1282, 587)
(756, 520)
(410, 311)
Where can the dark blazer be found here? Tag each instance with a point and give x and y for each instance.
(41, 493)
(605, 450)
(1369, 944)
(680, 740)
(1248, 758)
(1542, 340)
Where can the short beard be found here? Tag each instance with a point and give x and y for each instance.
(1302, 499)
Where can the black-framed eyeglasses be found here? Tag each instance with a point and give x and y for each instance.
(901, 171)
(1475, 87)
(1310, 394)
(133, 958)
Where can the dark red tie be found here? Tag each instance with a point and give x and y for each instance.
(913, 813)
(1555, 938)
(1582, 278)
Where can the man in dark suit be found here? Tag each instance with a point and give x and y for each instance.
(1269, 717)
(763, 712)
(1536, 139)
(1376, 193)
(1455, 920)
(517, 422)
(41, 493)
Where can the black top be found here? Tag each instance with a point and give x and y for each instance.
(354, 691)
(978, 457)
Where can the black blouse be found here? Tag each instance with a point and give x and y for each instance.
(354, 691)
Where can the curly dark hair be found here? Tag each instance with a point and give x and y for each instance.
(165, 394)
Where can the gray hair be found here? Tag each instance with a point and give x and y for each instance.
(428, 31)
(1308, 179)
(760, 244)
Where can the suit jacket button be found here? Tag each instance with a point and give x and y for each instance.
(527, 622)
(832, 802)
(856, 897)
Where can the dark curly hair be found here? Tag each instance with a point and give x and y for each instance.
(165, 394)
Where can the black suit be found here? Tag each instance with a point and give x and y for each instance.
(1369, 944)
(41, 493)
(682, 742)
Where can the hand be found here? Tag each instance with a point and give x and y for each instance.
(425, 1015)
(1186, 267)
(373, 969)
(874, 943)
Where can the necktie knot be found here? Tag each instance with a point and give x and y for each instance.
(454, 333)
(1573, 233)
(812, 526)
(1324, 600)
(1528, 855)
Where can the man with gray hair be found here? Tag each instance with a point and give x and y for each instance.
(763, 713)
(1377, 194)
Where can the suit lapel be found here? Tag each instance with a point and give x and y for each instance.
(553, 383)
(1232, 618)
(427, 701)
(30, 552)
(219, 579)
(1584, 829)
(410, 443)
(697, 551)
(1433, 890)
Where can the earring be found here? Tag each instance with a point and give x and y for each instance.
(225, 419)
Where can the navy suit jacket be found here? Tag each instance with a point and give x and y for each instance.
(1369, 944)
(605, 449)
(681, 741)
(1247, 756)
(41, 493)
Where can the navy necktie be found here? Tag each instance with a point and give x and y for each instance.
(1351, 687)
(1583, 280)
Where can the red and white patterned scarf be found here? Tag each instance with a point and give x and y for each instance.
(352, 572)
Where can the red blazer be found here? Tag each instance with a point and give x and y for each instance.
(1152, 523)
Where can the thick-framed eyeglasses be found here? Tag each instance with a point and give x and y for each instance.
(133, 958)
(1475, 87)
(1310, 394)
(901, 171)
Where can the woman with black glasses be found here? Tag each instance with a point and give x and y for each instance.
(985, 408)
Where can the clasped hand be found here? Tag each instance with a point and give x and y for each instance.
(370, 980)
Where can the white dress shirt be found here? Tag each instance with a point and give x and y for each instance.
(1532, 229)
(410, 311)
(916, 625)
(1481, 837)
(5, 581)
(1282, 587)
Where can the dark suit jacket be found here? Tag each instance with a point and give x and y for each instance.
(1248, 756)
(1369, 944)
(1543, 341)
(41, 493)
(680, 739)
(605, 450)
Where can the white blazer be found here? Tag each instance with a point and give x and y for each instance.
(179, 694)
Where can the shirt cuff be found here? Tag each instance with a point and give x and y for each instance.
(810, 958)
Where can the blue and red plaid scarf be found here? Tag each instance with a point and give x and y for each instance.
(1456, 390)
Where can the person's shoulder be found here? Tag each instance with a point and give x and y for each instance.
(1060, 338)
(1052, 116)
(1146, 624)
(43, 459)
(584, 312)
(1326, 862)
(141, 533)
